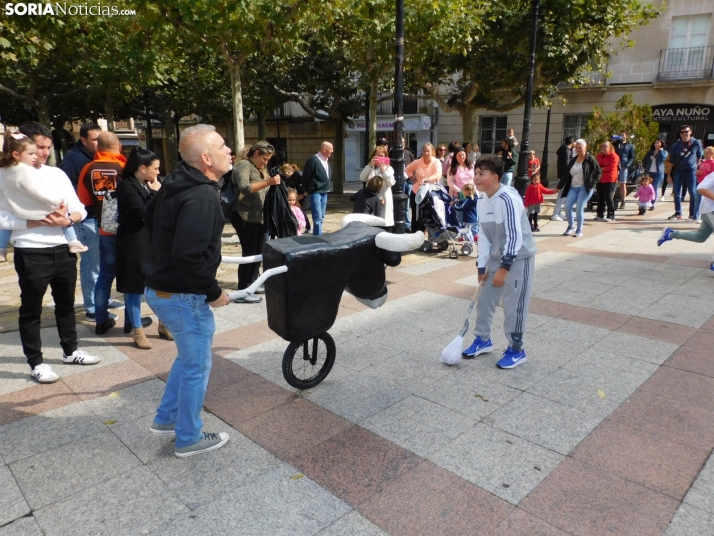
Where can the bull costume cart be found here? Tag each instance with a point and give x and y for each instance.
(304, 278)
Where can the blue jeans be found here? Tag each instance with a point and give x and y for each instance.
(579, 195)
(507, 178)
(408, 218)
(697, 207)
(657, 179)
(318, 208)
(190, 320)
(5, 235)
(89, 261)
(132, 311)
(684, 177)
(559, 204)
(107, 273)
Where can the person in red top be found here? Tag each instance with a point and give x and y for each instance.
(705, 168)
(533, 164)
(609, 162)
(534, 198)
(97, 179)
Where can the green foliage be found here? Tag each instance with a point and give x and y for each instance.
(633, 118)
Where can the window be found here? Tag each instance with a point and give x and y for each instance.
(493, 130)
(688, 43)
(574, 125)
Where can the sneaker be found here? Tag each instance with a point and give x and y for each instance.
(43, 373)
(207, 444)
(250, 298)
(556, 218)
(569, 231)
(652, 207)
(666, 236)
(512, 359)
(80, 357)
(578, 234)
(622, 205)
(675, 217)
(711, 267)
(93, 316)
(600, 218)
(162, 429)
(537, 229)
(260, 290)
(663, 198)
(113, 304)
(478, 347)
(101, 329)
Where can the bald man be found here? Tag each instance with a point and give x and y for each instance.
(96, 179)
(316, 178)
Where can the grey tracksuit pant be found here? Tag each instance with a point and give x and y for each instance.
(516, 293)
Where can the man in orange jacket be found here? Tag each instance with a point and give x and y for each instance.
(97, 179)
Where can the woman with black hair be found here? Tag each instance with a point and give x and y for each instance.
(653, 163)
(135, 190)
(509, 157)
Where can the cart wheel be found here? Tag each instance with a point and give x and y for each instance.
(453, 253)
(466, 250)
(425, 247)
(307, 363)
(442, 245)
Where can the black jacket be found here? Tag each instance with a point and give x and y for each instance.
(277, 214)
(133, 241)
(564, 154)
(367, 202)
(74, 161)
(591, 174)
(185, 222)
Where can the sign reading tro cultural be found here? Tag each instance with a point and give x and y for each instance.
(681, 113)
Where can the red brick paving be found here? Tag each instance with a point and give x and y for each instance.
(107, 379)
(34, 400)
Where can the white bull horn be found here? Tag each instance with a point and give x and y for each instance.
(372, 221)
(399, 243)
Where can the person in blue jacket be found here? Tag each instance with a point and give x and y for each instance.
(685, 155)
(653, 164)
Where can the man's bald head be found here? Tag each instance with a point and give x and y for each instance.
(204, 149)
(108, 142)
(326, 149)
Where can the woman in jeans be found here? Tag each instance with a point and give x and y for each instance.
(251, 180)
(139, 185)
(654, 166)
(577, 185)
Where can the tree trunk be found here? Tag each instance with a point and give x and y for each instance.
(109, 112)
(230, 136)
(170, 138)
(237, 97)
(372, 120)
(469, 123)
(262, 129)
(43, 115)
(338, 157)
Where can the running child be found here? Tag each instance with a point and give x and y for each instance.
(297, 211)
(467, 206)
(534, 199)
(23, 193)
(506, 263)
(645, 194)
(706, 228)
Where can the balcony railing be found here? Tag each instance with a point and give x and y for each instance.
(693, 63)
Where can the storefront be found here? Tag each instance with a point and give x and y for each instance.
(417, 132)
(700, 117)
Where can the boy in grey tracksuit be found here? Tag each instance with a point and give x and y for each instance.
(505, 263)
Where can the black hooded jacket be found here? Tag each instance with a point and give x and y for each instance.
(277, 214)
(185, 222)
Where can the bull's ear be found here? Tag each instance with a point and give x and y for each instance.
(390, 258)
(369, 219)
(399, 242)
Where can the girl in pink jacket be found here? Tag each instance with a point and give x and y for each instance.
(645, 194)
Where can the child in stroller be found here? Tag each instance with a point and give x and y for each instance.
(438, 216)
(468, 232)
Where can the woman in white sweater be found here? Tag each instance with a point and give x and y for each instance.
(378, 165)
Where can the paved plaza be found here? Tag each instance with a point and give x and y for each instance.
(607, 429)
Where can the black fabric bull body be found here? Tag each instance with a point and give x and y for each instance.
(303, 302)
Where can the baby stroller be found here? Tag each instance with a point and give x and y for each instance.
(466, 239)
(439, 219)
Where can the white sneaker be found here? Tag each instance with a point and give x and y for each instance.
(80, 357)
(75, 246)
(663, 198)
(555, 217)
(43, 373)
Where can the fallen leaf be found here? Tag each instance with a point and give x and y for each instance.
(295, 477)
(601, 393)
(478, 395)
(509, 441)
(114, 394)
(506, 485)
(111, 421)
(536, 468)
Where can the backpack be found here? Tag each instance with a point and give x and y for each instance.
(228, 197)
(110, 213)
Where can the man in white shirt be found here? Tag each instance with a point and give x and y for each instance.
(42, 258)
(316, 177)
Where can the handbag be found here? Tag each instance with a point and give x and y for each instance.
(110, 213)
(228, 197)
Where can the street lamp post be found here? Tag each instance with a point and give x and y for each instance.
(522, 177)
(544, 162)
(398, 195)
(147, 112)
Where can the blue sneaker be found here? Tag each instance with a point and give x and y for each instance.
(711, 267)
(477, 348)
(511, 358)
(666, 236)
